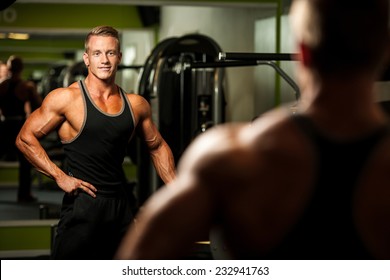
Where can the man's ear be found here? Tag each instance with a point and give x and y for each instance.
(86, 59)
(304, 55)
(120, 57)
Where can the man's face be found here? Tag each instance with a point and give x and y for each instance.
(103, 57)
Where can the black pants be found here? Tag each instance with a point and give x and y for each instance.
(25, 167)
(92, 228)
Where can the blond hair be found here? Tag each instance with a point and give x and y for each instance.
(102, 30)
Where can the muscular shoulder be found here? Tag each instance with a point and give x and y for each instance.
(139, 105)
(137, 101)
(212, 155)
(372, 202)
(242, 151)
(276, 131)
(376, 176)
(62, 98)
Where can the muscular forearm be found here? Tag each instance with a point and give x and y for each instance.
(34, 152)
(37, 156)
(164, 163)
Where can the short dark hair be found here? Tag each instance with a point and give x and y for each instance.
(350, 35)
(102, 30)
(15, 64)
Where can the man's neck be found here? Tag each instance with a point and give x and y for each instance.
(100, 88)
(342, 107)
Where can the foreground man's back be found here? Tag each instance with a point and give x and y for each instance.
(310, 186)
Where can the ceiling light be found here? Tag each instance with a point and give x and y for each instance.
(18, 36)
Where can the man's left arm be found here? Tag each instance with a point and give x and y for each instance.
(162, 156)
(160, 151)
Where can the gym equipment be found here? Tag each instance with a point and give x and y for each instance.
(52, 79)
(247, 59)
(219, 250)
(73, 73)
(185, 100)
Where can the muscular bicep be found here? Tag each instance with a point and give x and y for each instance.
(46, 118)
(145, 127)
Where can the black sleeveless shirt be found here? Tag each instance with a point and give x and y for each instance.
(10, 105)
(96, 154)
(327, 230)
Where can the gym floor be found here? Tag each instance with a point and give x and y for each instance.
(48, 194)
(44, 189)
(10, 209)
(25, 227)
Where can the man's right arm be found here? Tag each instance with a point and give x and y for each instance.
(40, 123)
(44, 120)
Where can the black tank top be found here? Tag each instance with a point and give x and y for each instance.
(11, 106)
(326, 230)
(96, 154)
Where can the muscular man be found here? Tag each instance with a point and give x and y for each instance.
(18, 98)
(314, 185)
(95, 120)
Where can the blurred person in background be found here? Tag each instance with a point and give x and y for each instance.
(3, 71)
(18, 98)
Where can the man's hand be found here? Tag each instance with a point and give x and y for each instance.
(73, 186)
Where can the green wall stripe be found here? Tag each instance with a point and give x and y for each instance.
(25, 238)
(36, 15)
